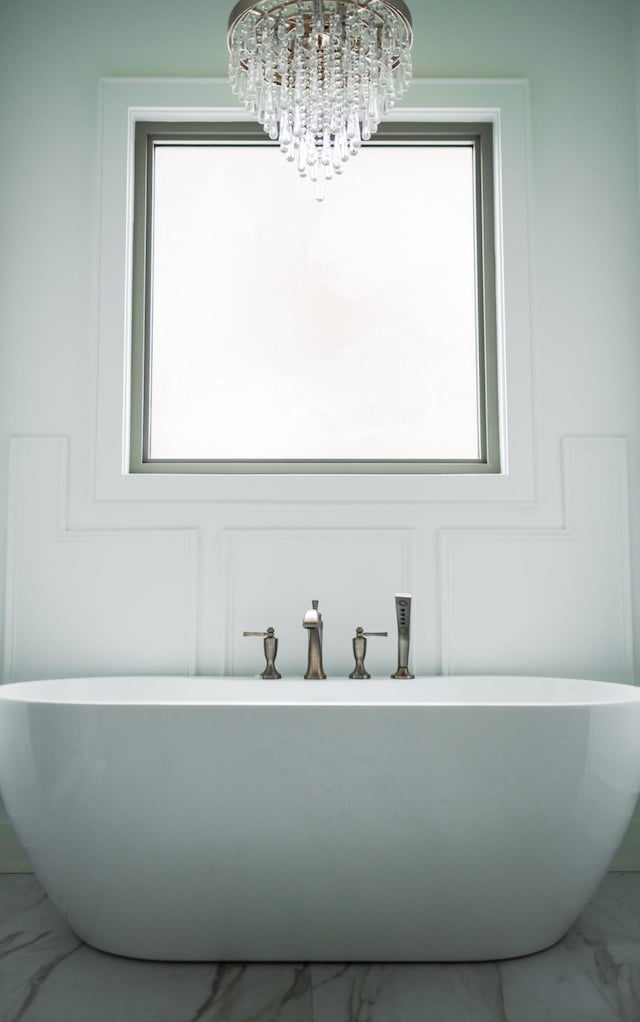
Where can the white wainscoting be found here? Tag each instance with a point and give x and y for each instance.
(547, 601)
(91, 590)
(84, 602)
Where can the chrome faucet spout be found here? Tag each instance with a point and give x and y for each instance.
(313, 622)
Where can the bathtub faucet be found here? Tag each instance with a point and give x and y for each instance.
(313, 621)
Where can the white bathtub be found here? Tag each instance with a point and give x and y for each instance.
(236, 819)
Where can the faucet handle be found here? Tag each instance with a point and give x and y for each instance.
(359, 651)
(270, 651)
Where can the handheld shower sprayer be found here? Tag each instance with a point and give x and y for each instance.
(403, 616)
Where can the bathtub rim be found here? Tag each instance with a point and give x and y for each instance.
(480, 691)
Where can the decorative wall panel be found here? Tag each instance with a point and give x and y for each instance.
(547, 601)
(527, 598)
(84, 602)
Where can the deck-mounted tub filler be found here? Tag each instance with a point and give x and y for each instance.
(435, 819)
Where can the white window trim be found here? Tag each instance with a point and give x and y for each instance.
(125, 101)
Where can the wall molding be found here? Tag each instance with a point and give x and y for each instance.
(594, 472)
(354, 569)
(39, 506)
(505, 103)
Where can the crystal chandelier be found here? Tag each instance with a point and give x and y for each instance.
(319, 74)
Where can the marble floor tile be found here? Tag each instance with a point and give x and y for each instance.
(407, 993)
(48, 975)
(593, 975)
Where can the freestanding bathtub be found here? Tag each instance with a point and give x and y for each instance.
(237, 819)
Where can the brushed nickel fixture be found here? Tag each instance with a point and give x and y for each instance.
(360, 651)
(270, 652)
(313, 621)
(319, 75)
(403, 616)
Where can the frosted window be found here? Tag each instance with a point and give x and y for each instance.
(284, 329)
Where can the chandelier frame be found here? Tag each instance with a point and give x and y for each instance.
(243, 7)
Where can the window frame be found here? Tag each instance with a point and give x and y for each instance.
(121, 103)
(478, 134)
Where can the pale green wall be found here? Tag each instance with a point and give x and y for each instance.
(579, 58)
(629, 853)
(636, 51)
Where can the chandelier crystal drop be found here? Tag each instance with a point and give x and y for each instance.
(319, 75)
